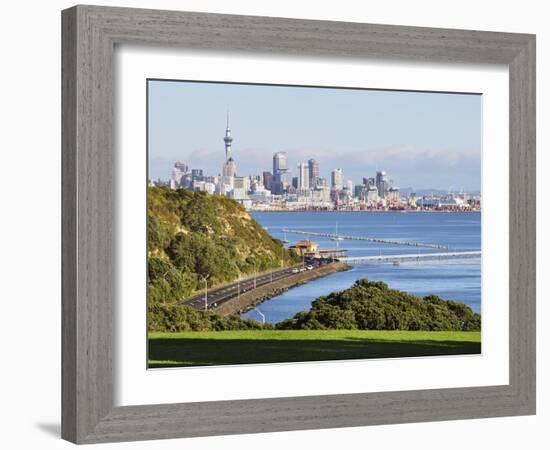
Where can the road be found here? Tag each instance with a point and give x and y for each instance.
(217, 296)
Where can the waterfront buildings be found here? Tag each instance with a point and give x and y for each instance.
(336, 179)
(307, 189)
(382, 183)
(314, 172)
(393, 195)
(268, 179)
(303, 176)
(282, 177)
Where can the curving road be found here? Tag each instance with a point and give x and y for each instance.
(217, 296)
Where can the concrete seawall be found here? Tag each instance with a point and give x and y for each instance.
(262, 293)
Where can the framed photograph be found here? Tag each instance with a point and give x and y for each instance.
(268, 222)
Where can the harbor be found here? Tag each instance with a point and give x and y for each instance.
(452, 271)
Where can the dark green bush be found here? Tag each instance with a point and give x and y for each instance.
(372, 305)
(177, 318)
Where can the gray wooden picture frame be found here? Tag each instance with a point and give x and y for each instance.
(90, 34)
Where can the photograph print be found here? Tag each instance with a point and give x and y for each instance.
(300, 223)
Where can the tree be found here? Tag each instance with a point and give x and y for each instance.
(374, 306)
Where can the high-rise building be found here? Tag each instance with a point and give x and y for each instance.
(229, 168)
(372, 194)
(241, 186)
(197, 174)
(267, 179)
(303, 176)
(282, 178)
(369, 181)
(227, 139)
(337, 179)
(360, 191)
(382, 183)
(182, 166)
(314, 172)
(393, 195)
(178, 172)
(321, 182)
(279, 162)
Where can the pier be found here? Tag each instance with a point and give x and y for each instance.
(441, 255)
(339, 237)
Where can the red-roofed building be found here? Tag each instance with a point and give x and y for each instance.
(305, 247)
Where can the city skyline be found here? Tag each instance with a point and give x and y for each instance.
(186, 123)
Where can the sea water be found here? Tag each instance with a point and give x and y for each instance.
(451, 279)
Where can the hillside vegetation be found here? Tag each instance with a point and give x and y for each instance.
(194, 234)
(372, 305)
(176, 318)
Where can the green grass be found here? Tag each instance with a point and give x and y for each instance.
(271, 346)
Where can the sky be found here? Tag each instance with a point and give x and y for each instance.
(422, 140)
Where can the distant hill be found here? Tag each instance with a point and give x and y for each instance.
(191, 235)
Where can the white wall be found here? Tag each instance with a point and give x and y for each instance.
(30, 221)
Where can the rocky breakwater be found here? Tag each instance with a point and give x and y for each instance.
(249, 299)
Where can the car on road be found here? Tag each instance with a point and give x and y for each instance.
(295, 270)
(309, 267)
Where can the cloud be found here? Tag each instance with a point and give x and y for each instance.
(409, 154)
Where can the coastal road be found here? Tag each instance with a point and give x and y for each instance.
(217, 296)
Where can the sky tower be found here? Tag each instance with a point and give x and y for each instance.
(227, 139)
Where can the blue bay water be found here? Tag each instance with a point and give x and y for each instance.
(451, 279)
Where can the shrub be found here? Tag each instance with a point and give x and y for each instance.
(372, 305)
(178, 318)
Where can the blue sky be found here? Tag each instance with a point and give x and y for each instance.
(422, 140)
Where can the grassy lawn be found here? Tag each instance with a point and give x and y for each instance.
(270, 346)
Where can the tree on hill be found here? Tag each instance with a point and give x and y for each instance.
(191, 235)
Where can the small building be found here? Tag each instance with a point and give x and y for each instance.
(305, 247)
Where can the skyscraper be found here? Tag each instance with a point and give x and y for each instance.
(337, 179)
(314, 172)
(268, 179)
(382, 183)
(303, 176)
(227, 139)
(369, 181)
(180, 169)
(279, 162)
(282, 178)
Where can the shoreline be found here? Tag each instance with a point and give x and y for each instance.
(252, 298)
(358, 211)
